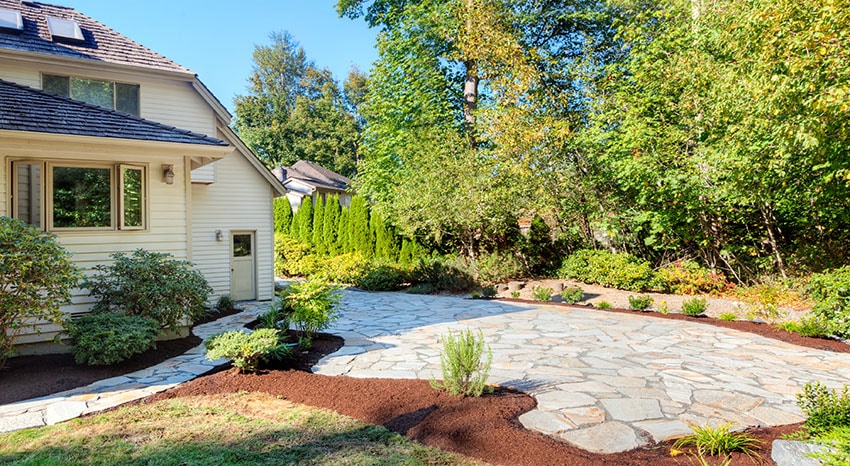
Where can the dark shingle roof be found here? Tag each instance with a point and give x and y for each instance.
(26, 109)
(314, 174)
(101, 43)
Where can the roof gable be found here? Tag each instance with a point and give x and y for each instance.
(33, 110)
(99, 42)
(313, 174)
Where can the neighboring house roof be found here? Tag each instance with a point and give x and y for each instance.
(28, 109)
(312, 174)
(100, 42)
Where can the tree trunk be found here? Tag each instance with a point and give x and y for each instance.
(470, 101)
(769, 224)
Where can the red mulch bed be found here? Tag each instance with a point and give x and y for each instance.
(485, 428)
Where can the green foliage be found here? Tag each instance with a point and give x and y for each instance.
(687, 277)
(831, 292)
(488, 291)
(694, 307)
(386, 247)
(225, 303)
(313, 304)
(422, 288)
(498, 267)
(515, 294)
(622, 271)
(36, 278)
(292, 258)
(383, 277)
(603, 305)
(303, 222)
(640, 303)
(345, 268)
(541, 293)
(330, 226)
(282, 214)
(247, 350)
(105, 338)
(318, 229)
(279, 316)
(572, 294)
(343, 232)
(150, 284)
(442, 274)
(358, 225)
(825, 409)
(813, 326)
(719, 440)
(464, 371)
(728, 317)
(838, 441)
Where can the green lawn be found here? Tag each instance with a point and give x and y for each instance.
(243, 428)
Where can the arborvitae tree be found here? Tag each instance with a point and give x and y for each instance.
(330, 225)
(282, 214)
(318, 226)
(410, 251)
(343, 232)
(304, 217)
(359, 226)
(385, 241)
(294, 225)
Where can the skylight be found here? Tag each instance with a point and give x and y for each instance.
(64, 29)
(11, 19)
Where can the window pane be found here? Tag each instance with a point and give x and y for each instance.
(132, 196)
(127, 98)
(95, 92)
(56, 84)
(241, 245)
(81, 197)
(28, 193)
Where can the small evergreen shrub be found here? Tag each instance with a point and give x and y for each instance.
(572, 294)
(313, 307)
(603, 305)
(687, 277)
(540, 293)
(464, 371)
(831, 292)
(825, 409)
(498, 267)
(150, 284)
(488, 291)
(36, 278)
(247, 350)
(728, 317)
(105, 338)
(622, 271)
(383, 278)
(225, 303)
(640, 303)
(694, 307)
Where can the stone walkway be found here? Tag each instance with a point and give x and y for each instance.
(605, 382)
(112, 392)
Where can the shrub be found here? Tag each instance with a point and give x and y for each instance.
(279, 316)
(344, 268)
(663, 307)
(464, 372)
(694, 307)
(247, 350)
(515, 294)
(104, 338)
(640, 303)
(603, 305)
(572, 294)
(831, 292)
(36, 278)
(719, 440)
(293, 258)
(688, 277)
(488, 291)
(622, 271)
(838, 441)
(443, 275)
(150, 284)
(313, 307)
(539, 293)
(225, 304)
(498, 267)
(825, 409)
(421, 288)
(728, 316)
(383, 278)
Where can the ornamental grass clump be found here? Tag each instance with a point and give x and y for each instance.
(694, 307)
(464, 367)
(719, 440)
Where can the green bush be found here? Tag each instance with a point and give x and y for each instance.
(293, 258)
(150, 284)
(825, 409)
(539, 293)
(464, 371)
(694, 307)
(225, 303)
(313, 307)
(488, 291)
(640, 303)
(279, 316)
(572, 294)
(603, 305)
(421, 288)
(383, 278)
(498, 267)
(36, 278)
(344, 268)
(838, 441)
(688, 277)
(728, 317)
(247, 350)
(104, 338)
(809, 326)
(443, 275)
(831, 292)
(622, 271)
(719, 440)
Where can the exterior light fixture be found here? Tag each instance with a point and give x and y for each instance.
(168, 174)
(219, 236)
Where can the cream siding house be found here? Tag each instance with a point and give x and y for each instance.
(174, 177)
(307, 179)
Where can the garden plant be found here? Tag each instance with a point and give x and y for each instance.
(464, 365)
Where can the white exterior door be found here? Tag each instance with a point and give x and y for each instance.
(243, 266)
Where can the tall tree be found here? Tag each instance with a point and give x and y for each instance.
(318, 226)
(282, 214)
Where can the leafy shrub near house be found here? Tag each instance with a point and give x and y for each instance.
(247, 350)
(640, 303)
(831, 292)
(464, 371)
(688, 277)
(344, 268)
(621, 270)
(292, 257)
(150, 284)
(312, 305)
(694, 307)
(36, 278)
(383, 277)
(825, 409)
(104, 338)
(572, 294)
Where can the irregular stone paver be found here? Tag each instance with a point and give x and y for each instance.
(605, 382)
(112, 392)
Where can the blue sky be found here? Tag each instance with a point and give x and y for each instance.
(215, 38)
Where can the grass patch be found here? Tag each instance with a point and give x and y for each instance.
(232, 429)
(719, 440)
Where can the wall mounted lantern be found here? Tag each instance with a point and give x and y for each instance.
(168, 174)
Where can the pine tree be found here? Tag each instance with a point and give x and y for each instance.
(318, 226)
(330, 226)
(358, 219)
(282, 214)
(343, 232)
